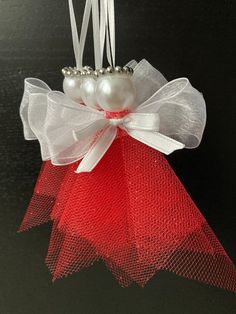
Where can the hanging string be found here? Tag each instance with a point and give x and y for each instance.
(103, 28)
(79, 45)
(96, 34)
(74, 31)
(103, 25)
(84, 29)
(107, 30)
(111, 43)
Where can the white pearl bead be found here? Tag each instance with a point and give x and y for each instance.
(115, 92)
(88, 87)
(72, 88)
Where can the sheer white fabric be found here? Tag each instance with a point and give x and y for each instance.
(32, 86)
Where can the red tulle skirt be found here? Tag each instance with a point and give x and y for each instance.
(44, 196)
(133, 213)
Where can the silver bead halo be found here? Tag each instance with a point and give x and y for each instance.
(89, 71)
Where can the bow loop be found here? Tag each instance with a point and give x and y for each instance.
(68, 128)
(37, 111)
(31, 86)
(142, 121)
(89, 129)
(182, 111)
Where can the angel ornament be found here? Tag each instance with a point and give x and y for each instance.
(118, 200)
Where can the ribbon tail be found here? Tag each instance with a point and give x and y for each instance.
(98, 150)
(158, 141)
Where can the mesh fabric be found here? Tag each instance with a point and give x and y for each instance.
(44, 196)
(133, 213)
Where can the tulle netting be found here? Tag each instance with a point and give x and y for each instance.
(45, 193)
(133, 213)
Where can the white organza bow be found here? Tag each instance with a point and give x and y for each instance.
(167, 117)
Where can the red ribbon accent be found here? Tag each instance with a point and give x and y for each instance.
(115, 115)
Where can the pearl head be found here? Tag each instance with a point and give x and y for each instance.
(88, 88)
(115, 92)
(72, 87)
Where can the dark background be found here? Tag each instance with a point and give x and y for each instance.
(181, 38)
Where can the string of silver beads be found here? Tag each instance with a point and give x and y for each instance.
(88, 71)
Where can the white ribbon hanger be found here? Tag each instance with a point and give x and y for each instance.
(79, 44)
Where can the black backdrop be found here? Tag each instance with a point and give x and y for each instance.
(181, 38)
